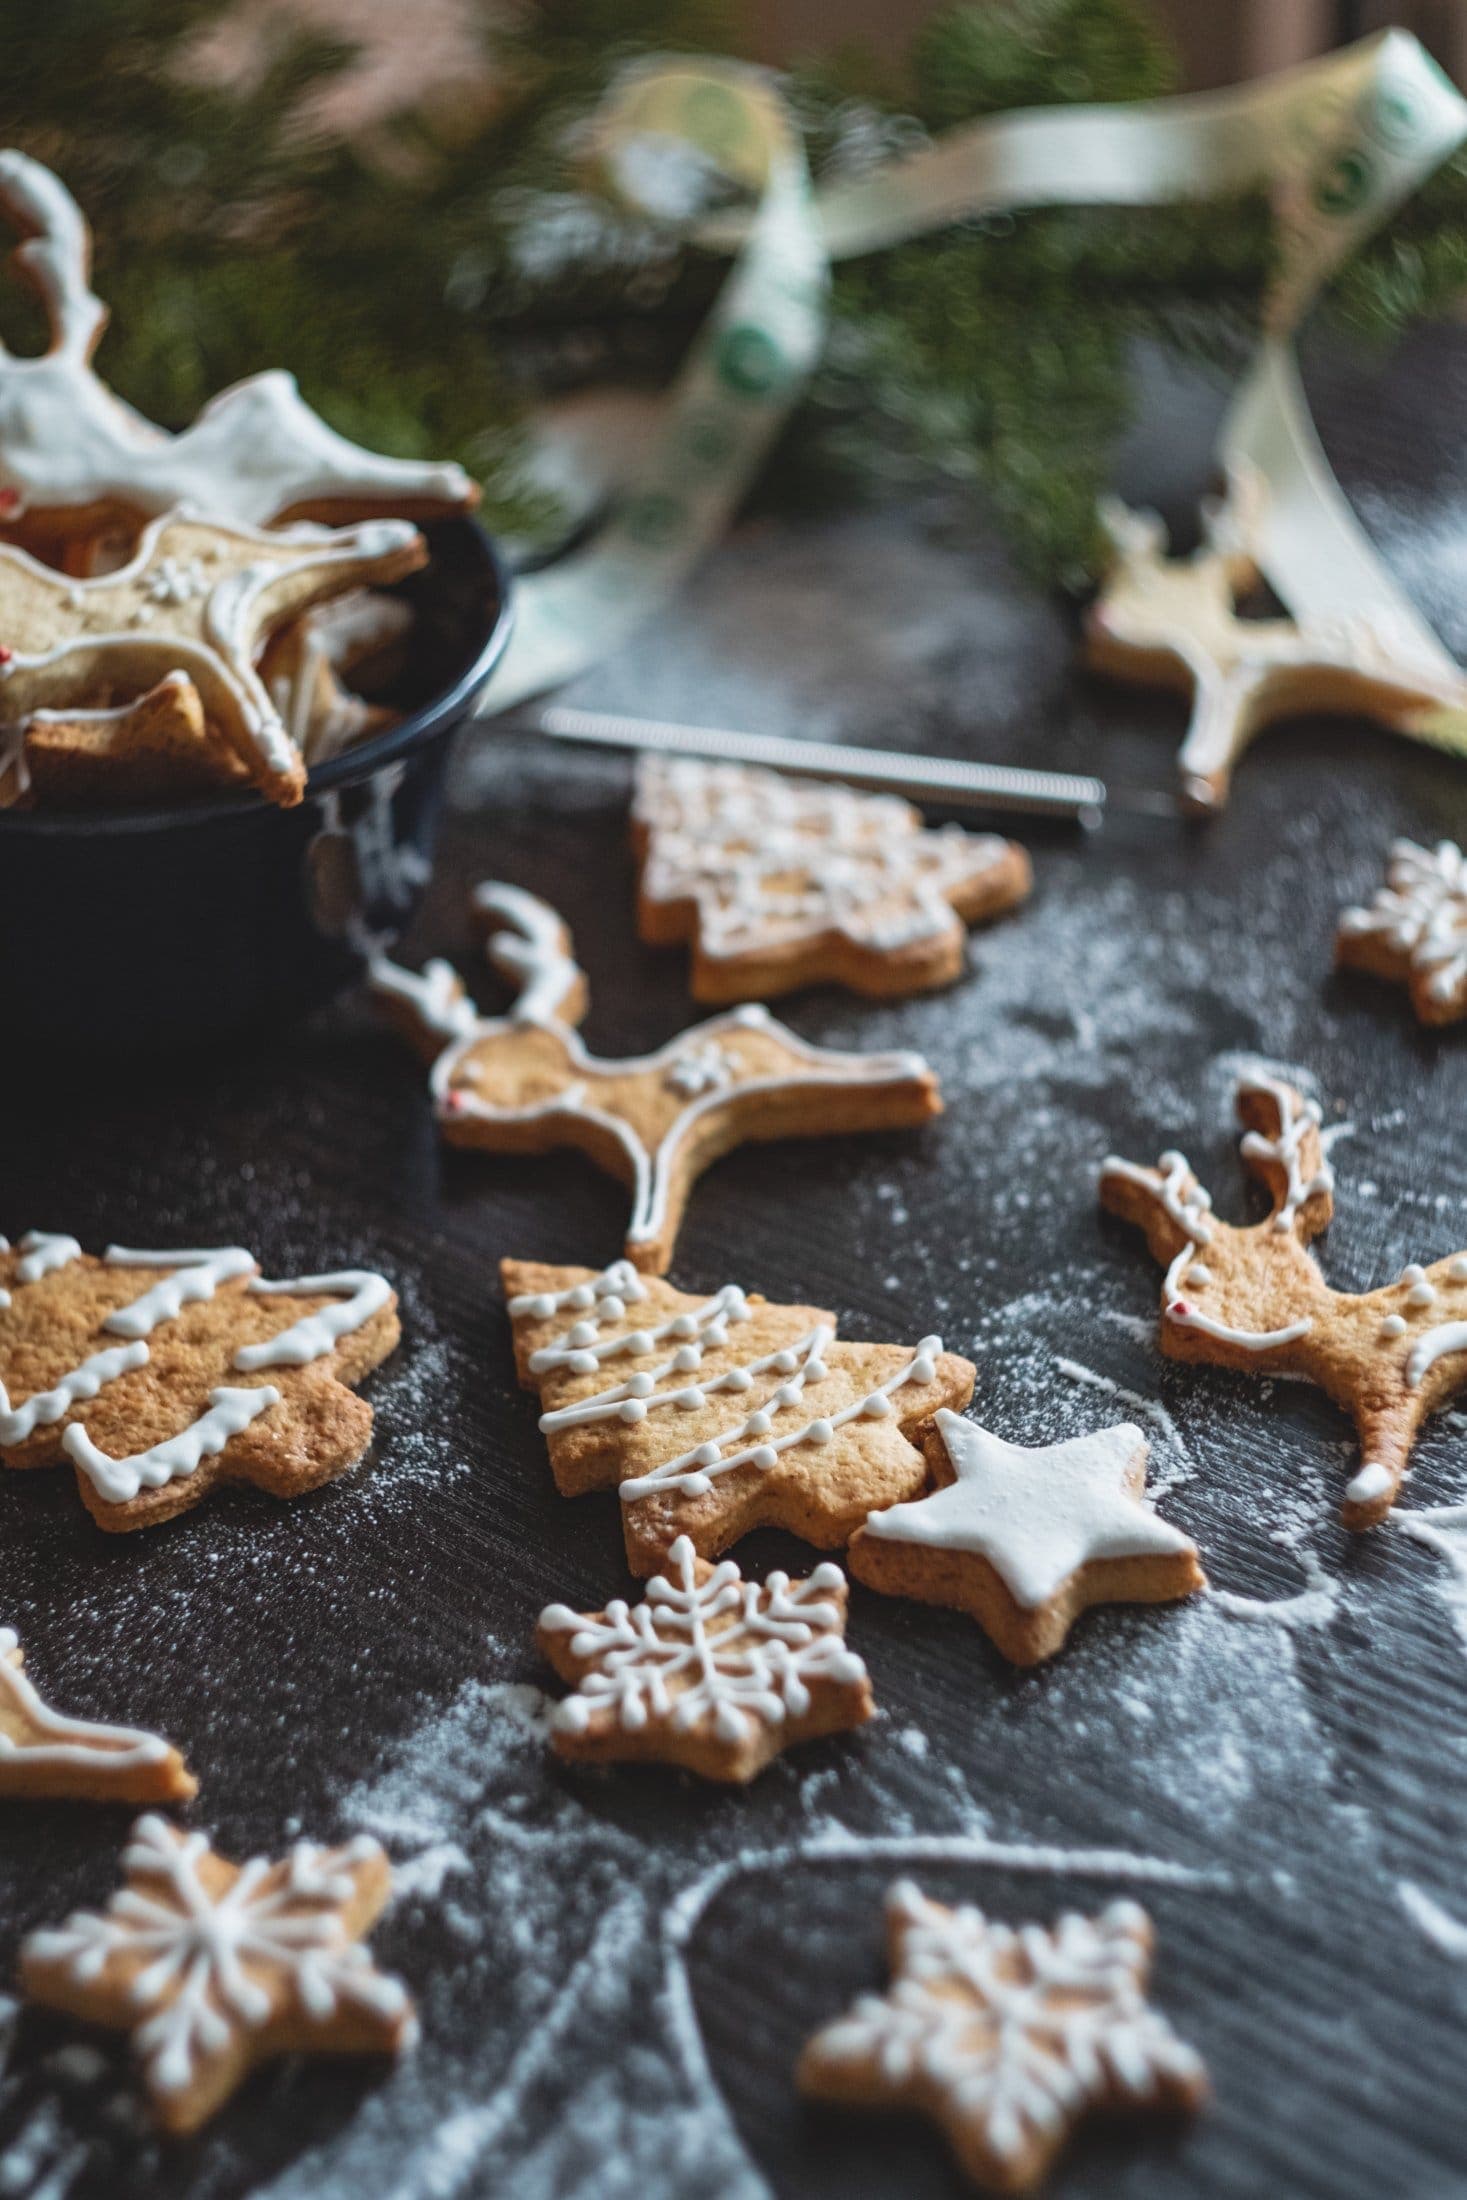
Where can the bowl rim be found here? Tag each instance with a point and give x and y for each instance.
(354, 765)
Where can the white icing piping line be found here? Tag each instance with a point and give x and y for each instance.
(124, 1745)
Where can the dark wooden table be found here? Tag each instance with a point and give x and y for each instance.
(615, 1971)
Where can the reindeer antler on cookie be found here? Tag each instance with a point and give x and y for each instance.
(524, 1082)
(1253, 1299)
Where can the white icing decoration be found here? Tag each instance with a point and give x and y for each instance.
(668, 1657)
(532, 951)
(46, 1407)
(316, 1333)
(436, 997)
(45, 1251)
(1457, 1269)
(1370, 1481)
(68, 1741)
(770, 860)
(700, 1069)
(1421, 912)
(255, 452)
(1393, 1326)
(118, 1480)
(1015, 2028)
(198, 1276)
(1448, 1337)
(1179, 1191)
(1420, 1292)
(1198, 1275)
(1295, 1119)
(1034, 1515)
(1250, 1340)
(194, 1992)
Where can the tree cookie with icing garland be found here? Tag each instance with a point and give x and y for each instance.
(782, 882)
(76, 462)
(160, 1375)
(214, 1967)
(1414, 930)
(197, 598)
(45, 1754)
(524, 1082)
(712, 1416)
(709, 1671)
(1005, 2036)
(1028, 1540)
(1253, 1298)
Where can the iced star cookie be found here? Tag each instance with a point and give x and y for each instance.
(197, 598)
(1174, 622)
(715, 1416)
(1253, 1299)
(1414, 929)
(782, 882)
(214, 1967)
(524, 1083)
(709, 1671)
(161, 1374)
(76, 462)
(44, 1754)
(1006, 2036)
(1028, 1540)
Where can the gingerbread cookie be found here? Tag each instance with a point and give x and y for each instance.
(785, 882)
(714, 1416)
(1174, 622)
(76, 462)
(1028, 1540)
(160, 748)
(43, 1754)
(1005, 2036)
(197, 598)
(1253, 1299)
(214, 1967)
(710, 1671)
(307, 664)
(130, 1367)
(524, 1083)
(1414, 931)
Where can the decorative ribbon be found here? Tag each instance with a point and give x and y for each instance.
(1338, 144)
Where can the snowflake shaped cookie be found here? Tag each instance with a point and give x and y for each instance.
(784, 882)
(1006, 2036)
(709, 1671)
(215, 1966)
(44, 1753)
(1414, 930)
(1028, 1540)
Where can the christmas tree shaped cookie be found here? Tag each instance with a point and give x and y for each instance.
(714, 1416)
(782, 882)
(160, 1374)
(524, 1083)
(45, 1754)
(1253, 1299)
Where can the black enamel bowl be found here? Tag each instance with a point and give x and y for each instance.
(163, 928)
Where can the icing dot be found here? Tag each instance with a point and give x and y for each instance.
(690, 1400)
(787, 1394)
(739, 1310)
(683, 1325)
(541, 1307)
(819, 1432)
(759, 1423)
(637, 1342)
(1392, 1326)
(1421, 1294)
(707, 1455)
(1373, 1480)
(581, 1363)
(640, 1386)
(686, 1356)
(766, 1457)
(612, 1308)
(583, 1333)
(631, 1410)
(877, 1405)
(697, 1485)
(924, 1368)
(715, 1333)
(786, 1362)
(738, 1378)
(1457, 1272)
(581, 1297)
(816, 1371)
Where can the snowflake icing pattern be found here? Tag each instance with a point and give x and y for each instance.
(1419, 915)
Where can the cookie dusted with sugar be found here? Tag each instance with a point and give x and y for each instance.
(1005, 2036)
(715, 1416)
(709, 1671)
(782, 882)
(75, 461)
(45, 1754)
(1414, 929)
(524, 1083)
(1253, 1299)
(1028, 1540)
(161, 1374)
(214, 1967)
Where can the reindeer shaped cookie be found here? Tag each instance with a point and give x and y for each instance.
(524, 1082)
(1253, 1298)
(1174, 622)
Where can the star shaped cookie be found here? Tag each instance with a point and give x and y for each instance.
(197, 598)
(1028, 1540)
(524, 1083)
(45, 1754)
(1006, 2036)
(214, 1967)
(1414, 929)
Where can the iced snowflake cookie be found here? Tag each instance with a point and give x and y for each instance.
(1028, 1540)
(75, 461)
(214, 1967)
(197, 598)
(1174, 622)
(1253, 1299)
(783, 882)
(714, 1416)
(160, 1374)
(1414, 930)
(45, 1754)
(1006, 2036)
(710, 1671)
(524, 1083)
